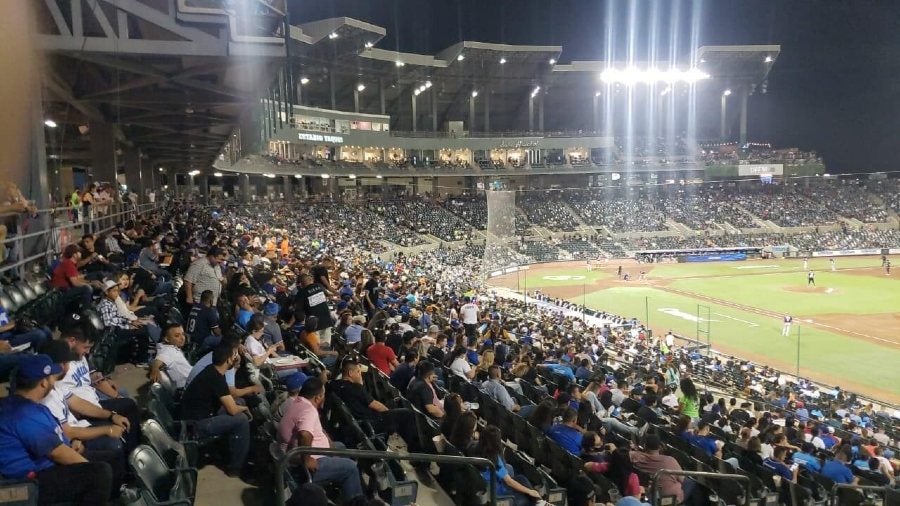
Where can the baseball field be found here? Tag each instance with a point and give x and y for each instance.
(846, 328)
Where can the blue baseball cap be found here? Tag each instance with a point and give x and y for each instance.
(36, 367)
(295, 381)
(271, 309)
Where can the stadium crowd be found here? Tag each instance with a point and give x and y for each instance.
(598, 402)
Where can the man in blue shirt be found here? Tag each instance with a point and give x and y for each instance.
(704, 441)
(807, 459)
(776, 464)
(567, 434)
(33, 446)
(836, 469)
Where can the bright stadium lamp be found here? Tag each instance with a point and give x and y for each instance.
(298, 176)
(49, 123)
(502, 60)
(597, 93)
(460, 57)
(769, 59)
(427, 84)
(417, 91)
(333, 35)
(352, 176)
(360, 87)
(325, 176)
(217, 174)
(474, 93)
(727, 92)
(369, 45)
(399, 63)
(552, 61)
(379, 176)
(304, 80)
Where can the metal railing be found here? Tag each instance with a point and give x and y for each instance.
(45, 243)
(301, 451)
(744, 481)
(834, 499)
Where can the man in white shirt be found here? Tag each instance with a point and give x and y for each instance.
(468, 313)
(170, 358)
(670, 340)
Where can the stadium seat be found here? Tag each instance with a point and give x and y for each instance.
(177, 455)
(164, 395)
(161, 486)
(18, 492)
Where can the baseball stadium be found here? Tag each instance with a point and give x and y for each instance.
(416, 252)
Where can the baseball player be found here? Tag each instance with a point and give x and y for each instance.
(786, 327)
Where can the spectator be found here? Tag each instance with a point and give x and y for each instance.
(138, 335)
(301, 426)
(422, 394)
(204, 274)
(33, 445)
(382, 356)
(650, 461)
(490, 447)
(170, 358)
(19, 332)
(203, 322)
(70, 282)
(495, 388)
(208, 401)
(567, 434)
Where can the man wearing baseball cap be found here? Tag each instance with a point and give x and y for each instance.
(33, 446)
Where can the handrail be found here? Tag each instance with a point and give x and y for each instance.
(372, 454)
(48, 236)
(702, 474)
(833, 493)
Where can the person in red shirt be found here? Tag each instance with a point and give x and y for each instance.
(382, 356)
(69, 281)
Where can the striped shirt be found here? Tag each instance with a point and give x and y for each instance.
(204, 276)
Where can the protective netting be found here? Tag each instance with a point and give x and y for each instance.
(501, 246)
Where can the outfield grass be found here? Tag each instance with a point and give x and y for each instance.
(828, 356)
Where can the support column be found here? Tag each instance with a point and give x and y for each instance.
(288, 188)
(103, 152)
(355, 100)
(331, 89)
(415, 116)
(487, 110)
(471, 113)
(541, 114)
(531, 113)
(722, 116)
(244, 181)
(133, 171)
(299, 90)
(595, 113)
(744, 97)
(434, 119)
(204, 188)
(381, 95)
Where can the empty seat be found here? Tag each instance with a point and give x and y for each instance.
(159, 484)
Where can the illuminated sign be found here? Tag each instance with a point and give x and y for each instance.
(333, 139)
(775, 169)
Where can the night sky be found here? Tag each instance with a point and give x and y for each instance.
(835, 87)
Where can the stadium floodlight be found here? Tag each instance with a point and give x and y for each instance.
(597, 93)
(304, 80)
(369, 45)
(552, 61)
(399, 63)
(460, 57)
(217, 174)
(379, 176)
(352, 176)
(417, 91)
(769, 59)
(474, 93)
(360, 87)
(49, 123)
(162, 169)
(535, 91)
(325, 176)
(193, 173)
(727, 92)
(633, 75)
(665, 91)
(298, 176)
(333, 35)
(502, 60)
(427, 84)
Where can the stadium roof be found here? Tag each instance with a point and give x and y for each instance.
(507, 73)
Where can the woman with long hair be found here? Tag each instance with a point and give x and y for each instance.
(463, 434)
(453, 408)
(490, 446)
(689, 400)
(543, 415)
